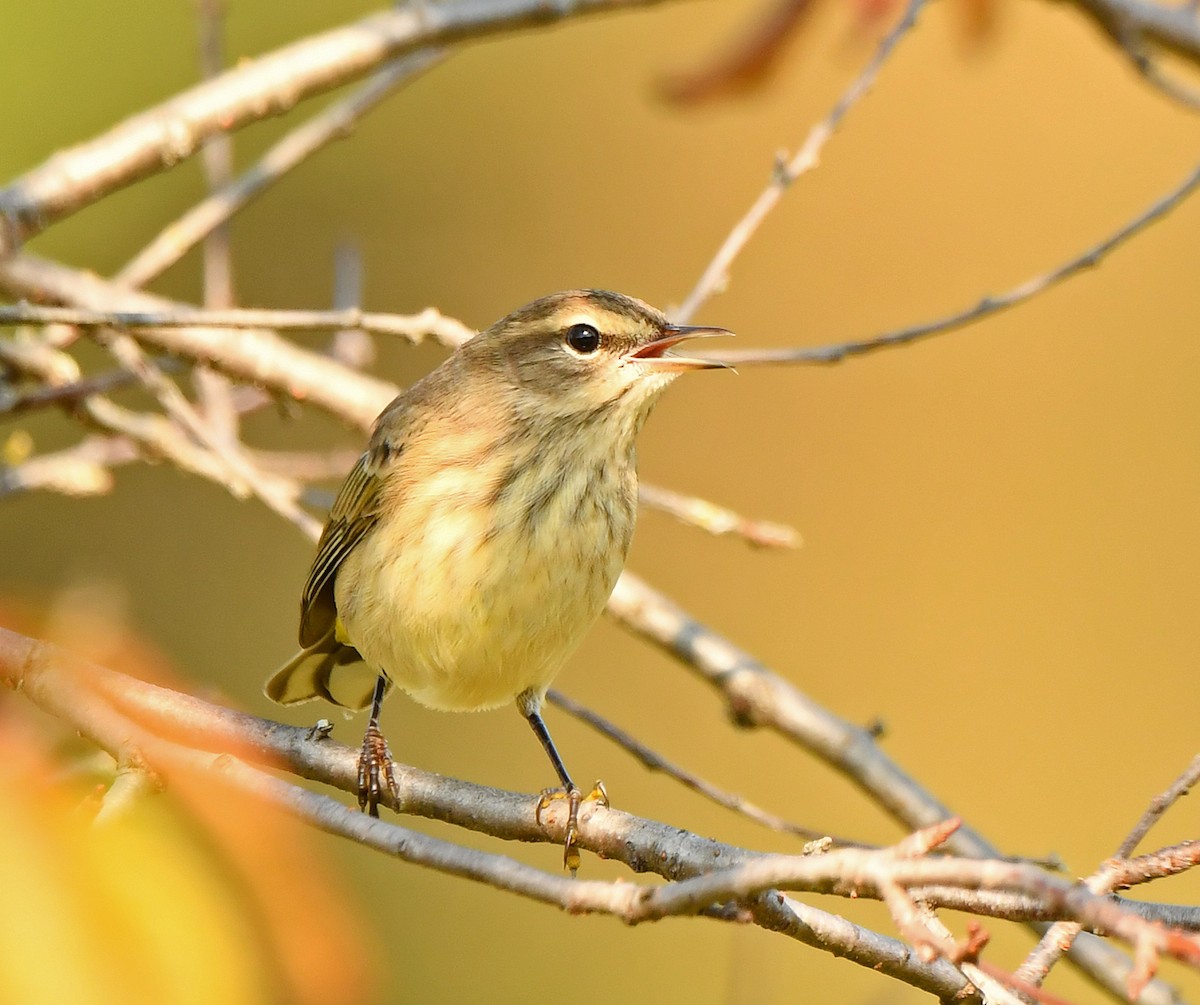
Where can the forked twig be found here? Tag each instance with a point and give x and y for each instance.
(1117, 872)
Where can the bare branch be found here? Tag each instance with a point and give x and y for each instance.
(1120, 871)
(414, 327)
(213, 390)
(161, 137)
(718, 520)
(81, 470)
(122, 714)
(351, 346)
(756, 696)
(13, 402)
(985, 306)
(239, 472)
(653, 761)
(1159, 805)
(716, 275)
(252, 354)
(1174, 27)
(216, 155)
(1154, 74)
(333, 123)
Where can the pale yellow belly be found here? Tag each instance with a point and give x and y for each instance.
(464, 615)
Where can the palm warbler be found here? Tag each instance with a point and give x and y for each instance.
(482, 531)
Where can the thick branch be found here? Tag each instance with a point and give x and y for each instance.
(135, 720)
(132, 718)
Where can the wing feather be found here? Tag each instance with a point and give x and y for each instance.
(354, 512)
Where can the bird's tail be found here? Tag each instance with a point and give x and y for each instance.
(309, 674)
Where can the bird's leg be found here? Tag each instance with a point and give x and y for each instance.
(375, 760)
(530, 704)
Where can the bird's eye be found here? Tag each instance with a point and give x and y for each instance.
(584, 339)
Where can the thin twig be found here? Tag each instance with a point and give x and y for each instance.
(414, 327)
(716, 275)
(984, 307)
(14, 401)
(1187, 780)
(278, 494)
(216, 156)
(134, 781)
(718, 520)
(653, 761)
(255, 355)
(350, 345)
(1118, 871)
(332, 123)
(213, 389)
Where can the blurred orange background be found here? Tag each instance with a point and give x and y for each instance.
(1001, 525)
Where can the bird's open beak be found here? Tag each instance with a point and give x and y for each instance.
(654, 354)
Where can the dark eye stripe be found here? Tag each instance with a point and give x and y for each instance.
(583, 339)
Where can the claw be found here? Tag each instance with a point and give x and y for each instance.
(574, 797)
(375, 771)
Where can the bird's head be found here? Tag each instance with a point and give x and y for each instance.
(588, 354)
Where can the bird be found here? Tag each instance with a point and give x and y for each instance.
(482, 530)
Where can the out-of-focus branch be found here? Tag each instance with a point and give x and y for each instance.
(255, 355)
(413, 327)
(216, 156)
(1135, 27)
(13, 401)
(748, 62)
(239, 473)
(214, 391)
(162, 136)
(81, 470)
(1175, 27)
(334, 122)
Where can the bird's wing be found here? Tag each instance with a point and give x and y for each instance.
(354, 513)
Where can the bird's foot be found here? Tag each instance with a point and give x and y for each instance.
(574, 798)
(375, 773)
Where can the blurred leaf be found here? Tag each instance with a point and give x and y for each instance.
(749, 62)
(198, 894)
